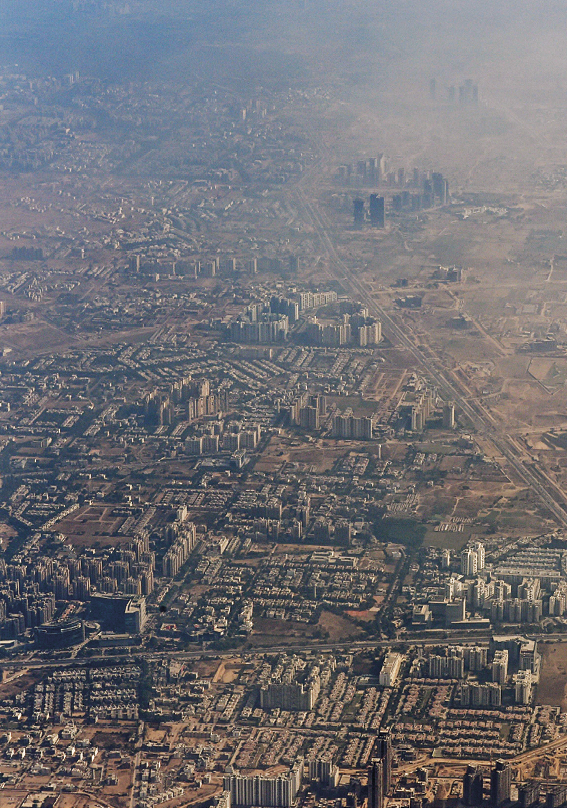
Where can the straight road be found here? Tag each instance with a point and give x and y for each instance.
(474, 637)
(445, 379)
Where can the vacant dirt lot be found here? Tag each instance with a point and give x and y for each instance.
(338, 627)
(552, 687)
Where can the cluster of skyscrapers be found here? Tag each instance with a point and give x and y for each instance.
(314, 300)
(472, 559)
(474, 694)
(269, 322)
(287, 692)
(416, 408)
(433, 191)
(348, 427)
(466, 93)
(358, 330)
(370, 171)
(290, 696)
(324, 771)
(194, 394)
(268, 328)
(500, 785)
(178, 553)
(376, 212)
(29, 593)
(307, 410)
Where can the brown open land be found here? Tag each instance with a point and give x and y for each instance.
(74, 801)
(24, 338)
(359, 406)
(228, 671)
(91, 526)
(268, 631)
(318, 457)
(369, 615)
(19, 683)
(552, 688)
(111, 739)
(338, 628)
(205, 669)
(7, 534)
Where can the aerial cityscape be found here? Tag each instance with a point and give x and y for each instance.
(283, 412)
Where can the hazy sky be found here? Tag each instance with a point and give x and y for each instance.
(283, 38)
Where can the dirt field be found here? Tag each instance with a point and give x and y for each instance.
(7, 533)
(93, 525)
(552, 688)
(205, 669)
(338, 627)
(228, 671)
(19, 682)
(266, 630)
(269, 631)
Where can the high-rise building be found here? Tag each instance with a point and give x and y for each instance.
(469, 563)
(439, 188)
(309, 418)
(82, 588)
(390, 669)
(350, 428)
(468, 93)
(61, 587)
(122, 613)
(472, 559)
(451, 666)
(475, 658)
(523, 683)
(147, 581)
(479, 593)
(500, 783)
(449, 416)
(556, 796)
(383, 749)
(291, 696)
(376, 783)
(358, 212)
(472, 786)
(478, 548)
(528, 794)
(361, 171)
(343, 533)
(381, 168)
(324, 771)
(377, 211)
(500, 667)
(270, 792)
(397, 203)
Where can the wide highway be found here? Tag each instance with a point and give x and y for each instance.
(446, 380)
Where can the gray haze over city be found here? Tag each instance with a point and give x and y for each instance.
(283, 413)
